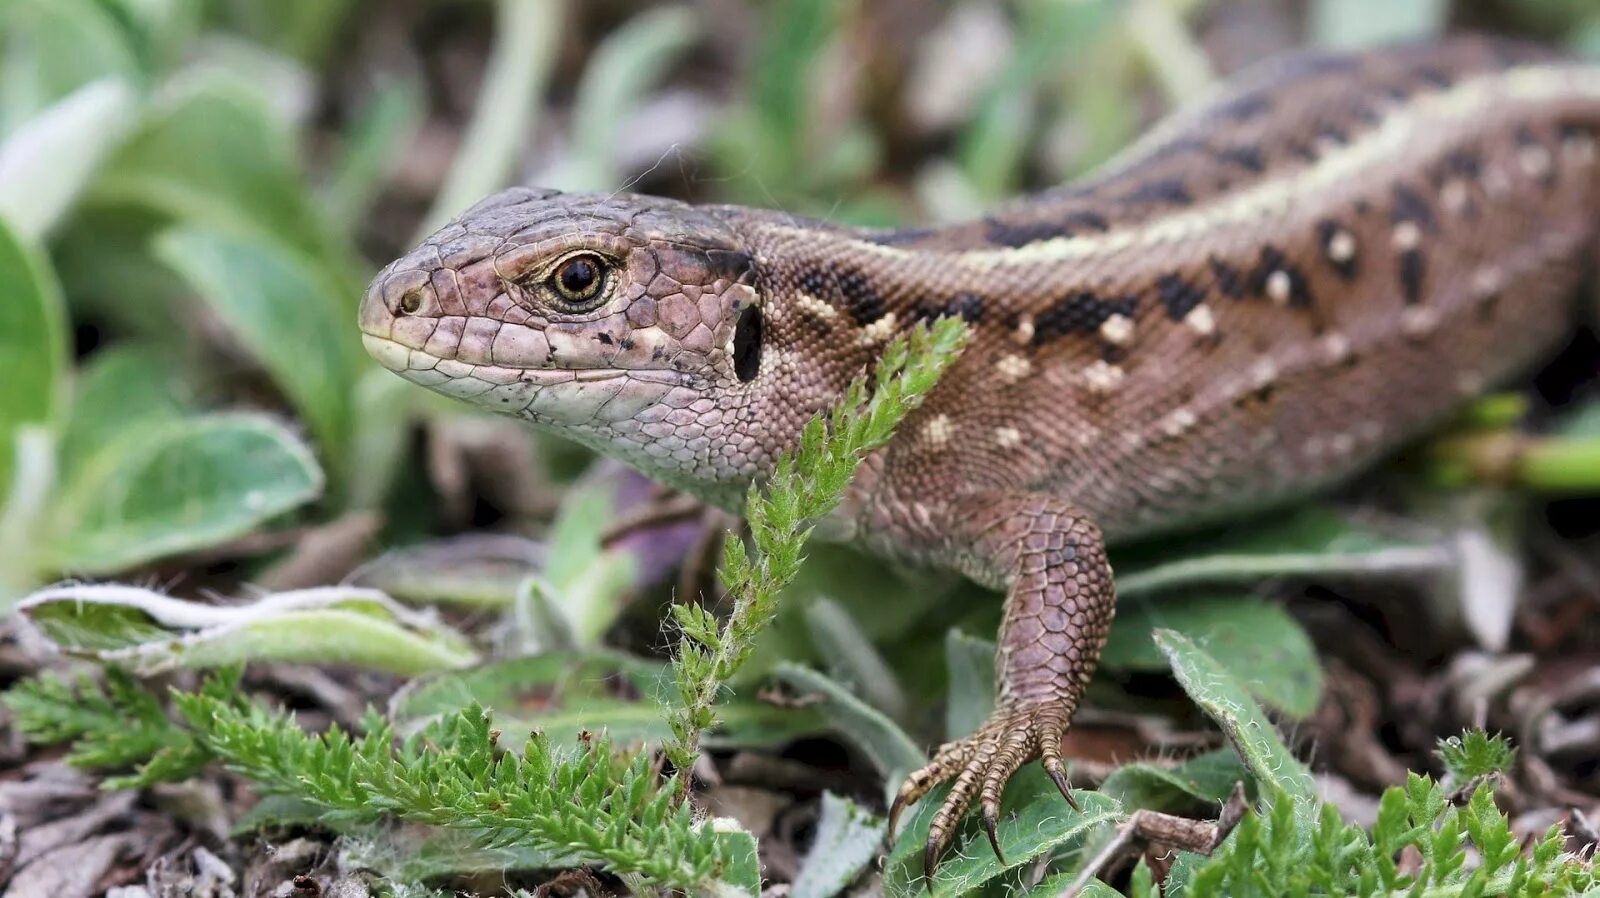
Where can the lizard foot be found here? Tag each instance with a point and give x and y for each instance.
(980, 765)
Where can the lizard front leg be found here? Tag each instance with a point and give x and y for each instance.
(1051, 561)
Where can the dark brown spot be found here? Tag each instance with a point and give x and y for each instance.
(1328, 236)
(966, 306)
(1435, 77)
(1016, 234)
(1081, 312)
(1249, 158)
(1178, 296)
(1464, 163)
(1413, 271)
(1271, 261)
(861, 299)
(1167, 191)
(1410, 205)
(901, 236)
(848, 289)
(1245, 106)
(1227, 278)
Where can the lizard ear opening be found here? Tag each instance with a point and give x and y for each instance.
(747, 344)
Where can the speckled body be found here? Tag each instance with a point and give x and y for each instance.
(1263, 296)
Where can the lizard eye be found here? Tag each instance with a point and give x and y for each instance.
(579, 280)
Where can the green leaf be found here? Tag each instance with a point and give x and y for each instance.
(149, 632)
(563, 694)
(851, 658)
(1202, 781)
(45, 163)
(1309, 541)
(211, 156)
(118, 389)
(54, 47)
(1054, 886)
(970, 662)
(473, 570)
(885, 744)
(288, 313)
(33, 343)
(176, 487)
(1226, 701)
(1256, 641)
(1034, 819)
(847, 839)
(586, 584)
(741, 875)
(1475, 753)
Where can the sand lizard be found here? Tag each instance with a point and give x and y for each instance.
(1264, 295)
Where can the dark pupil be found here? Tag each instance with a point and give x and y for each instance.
(577, 276)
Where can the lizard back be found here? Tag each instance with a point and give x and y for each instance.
(1262, 296)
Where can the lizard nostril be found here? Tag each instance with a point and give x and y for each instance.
(411, 301)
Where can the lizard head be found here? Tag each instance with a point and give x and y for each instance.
(631, 324)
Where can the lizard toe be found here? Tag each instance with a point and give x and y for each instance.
(980, 766)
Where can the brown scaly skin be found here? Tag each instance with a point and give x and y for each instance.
(1262, 297)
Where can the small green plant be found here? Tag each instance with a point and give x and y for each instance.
(584, 804)
(804, 486)
(1285, 852)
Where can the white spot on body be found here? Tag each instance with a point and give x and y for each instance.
(1013, 368)
(1336, 347)
(1487, 282)
(1342, 443)
(1201, 320)
(1279, 287)
(1263, 374)
(1535, 160)
(1024, 332)
(1102, 376)
(1008, 437)
(815, 307)
(878, 331)
(1419, 321)
(1180, 420)
(1341, 246)
(1407, 236)
(1470, 383)
(1117, 330)
(938, 431)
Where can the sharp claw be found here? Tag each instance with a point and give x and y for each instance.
(930, 861)
(894, 814)
(989, 821)
(1053, 768)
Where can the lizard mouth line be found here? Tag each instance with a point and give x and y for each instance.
(402, 360)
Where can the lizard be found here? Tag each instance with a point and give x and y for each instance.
(1264, 295)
